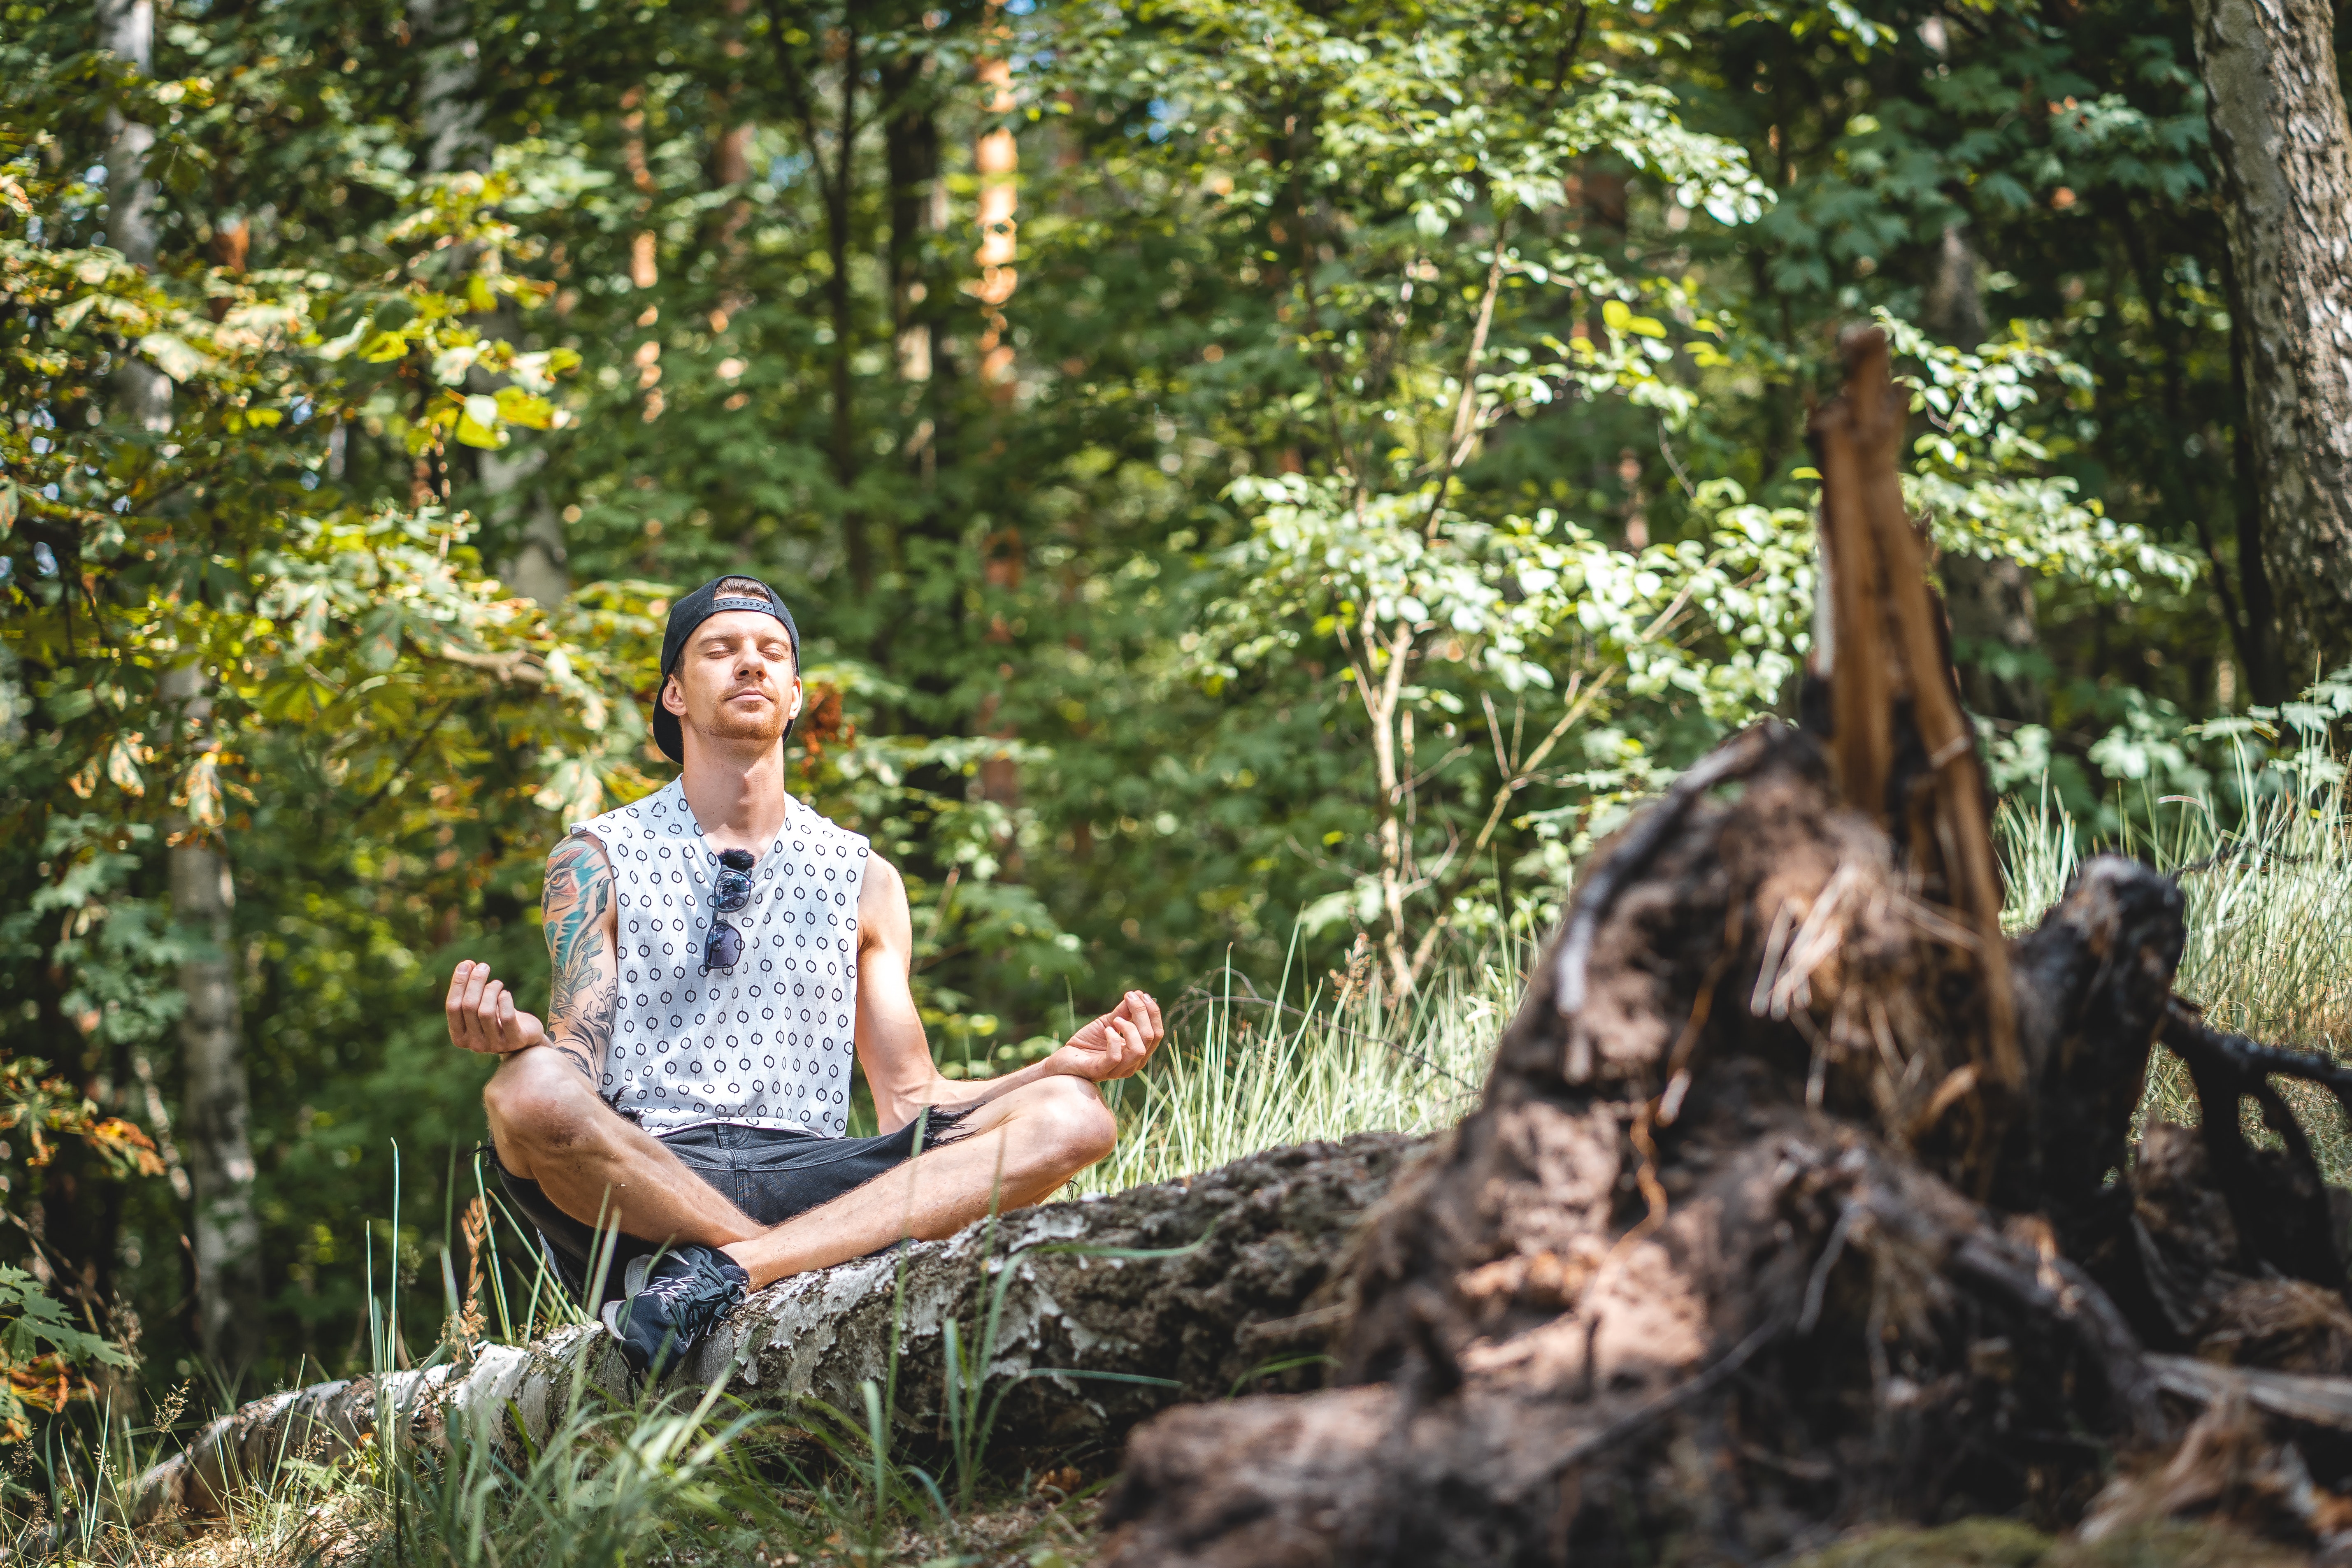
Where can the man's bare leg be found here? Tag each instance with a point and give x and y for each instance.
(551, 1127)
(1015, 1151)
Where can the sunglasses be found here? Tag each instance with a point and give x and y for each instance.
(723, 948)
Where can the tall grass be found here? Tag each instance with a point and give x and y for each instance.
(1246, 1072)
(2267, 870)
(690, 1477)
(2269, 883)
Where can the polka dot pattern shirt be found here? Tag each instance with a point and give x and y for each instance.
(768, 1043)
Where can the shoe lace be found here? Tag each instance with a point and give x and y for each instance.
(701, 1291)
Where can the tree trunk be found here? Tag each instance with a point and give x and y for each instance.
(128, 30)
(911, 156)
(2266, 677)
(449, 124)
(1994, 636)
(1111, 1308)
(539, 570)
(922, 300)
(448, 100)
(215, 1105)
(857, 537)
(2280, 136)
(996, 159)
(1991, 602)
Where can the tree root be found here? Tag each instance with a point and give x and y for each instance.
(1799, 1198)
(1704, 1277)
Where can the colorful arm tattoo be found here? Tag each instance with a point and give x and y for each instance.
(587, 987)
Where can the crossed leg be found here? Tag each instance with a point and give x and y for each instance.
(549, 1127)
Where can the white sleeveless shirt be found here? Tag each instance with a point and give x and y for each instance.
(768, 1043)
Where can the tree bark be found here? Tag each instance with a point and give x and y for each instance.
(1112, 1309)
(1689, 1282)
(450, 105)
(2281, 139)
(449, 124)
(910, 155)
(1994, 634)
(216, 1105)
(1990, 603)
(127, 28)
(841, 310)
(996, 159)
(2266, 678)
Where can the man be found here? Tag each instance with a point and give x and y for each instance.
(720, 952)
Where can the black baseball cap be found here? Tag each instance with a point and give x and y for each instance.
(691, 612)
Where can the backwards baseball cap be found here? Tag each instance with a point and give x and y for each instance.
(691, 612)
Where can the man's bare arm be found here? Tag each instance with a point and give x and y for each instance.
(895, 1053)
(581, 927)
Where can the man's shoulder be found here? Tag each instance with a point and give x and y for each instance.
(581, 852)
(881, 875)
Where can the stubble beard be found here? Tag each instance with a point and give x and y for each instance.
(733, 727)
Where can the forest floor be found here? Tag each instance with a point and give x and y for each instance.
(1041, 1530)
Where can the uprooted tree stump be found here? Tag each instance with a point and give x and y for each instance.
(1801, 1198)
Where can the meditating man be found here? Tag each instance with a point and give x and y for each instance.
(720, 952)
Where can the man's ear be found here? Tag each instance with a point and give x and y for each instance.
(672, 697)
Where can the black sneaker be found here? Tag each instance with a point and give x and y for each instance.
(673, 1302)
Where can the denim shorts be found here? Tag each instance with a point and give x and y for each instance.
(771, 1174)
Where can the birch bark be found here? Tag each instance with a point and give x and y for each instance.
(2280, 137)
(217, 1105)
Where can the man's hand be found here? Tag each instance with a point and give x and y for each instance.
(483, 1016)
(1116, 1045)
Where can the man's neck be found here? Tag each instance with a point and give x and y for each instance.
(737, 799)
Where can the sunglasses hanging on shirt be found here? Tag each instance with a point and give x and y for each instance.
(723, 948)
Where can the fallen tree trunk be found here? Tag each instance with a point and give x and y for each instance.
(1107, 1310)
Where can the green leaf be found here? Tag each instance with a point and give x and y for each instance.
(173, 355)
(40, 1319)
(519, 407)
(70, 704)
(1621, 318)
(477, 425)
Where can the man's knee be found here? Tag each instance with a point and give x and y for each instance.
(537, 1102)
(1082, 1128)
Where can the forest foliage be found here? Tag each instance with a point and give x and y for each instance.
(1258, 480)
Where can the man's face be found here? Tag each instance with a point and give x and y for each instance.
(735, 683)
